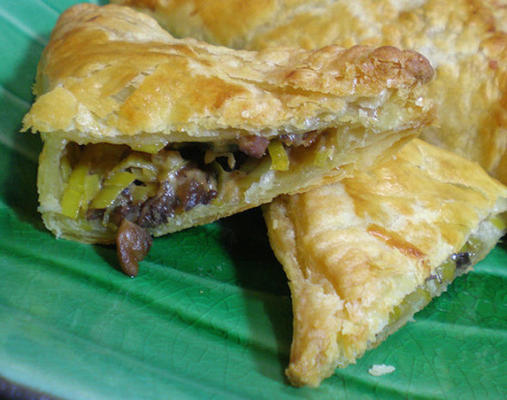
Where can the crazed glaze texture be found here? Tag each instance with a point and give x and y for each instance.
(353, 250)
(465, 40)
(110, 71)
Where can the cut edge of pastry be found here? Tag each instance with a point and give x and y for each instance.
(311, 168)
(468, 54)
(168, 154)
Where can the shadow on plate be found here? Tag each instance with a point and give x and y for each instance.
(108, 254)
(245, 238)
(10, 390)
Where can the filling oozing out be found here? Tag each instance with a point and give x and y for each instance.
(477, 246)
(113, 184)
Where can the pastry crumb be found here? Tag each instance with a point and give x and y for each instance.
(381, 369)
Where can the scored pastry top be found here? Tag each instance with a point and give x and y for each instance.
(355, 249)
(465, 41)
(111, 71)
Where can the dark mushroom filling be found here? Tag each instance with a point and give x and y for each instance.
(132, 245)
(111, 184)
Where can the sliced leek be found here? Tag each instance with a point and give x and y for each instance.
(91, 188)
(112, 187)
(499, 221)
(141, 193)
(73, 195)
(443, 275)
(137, 160)
(279, 157)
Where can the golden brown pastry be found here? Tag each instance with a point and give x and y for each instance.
(232, 23)
(465, 40)
(363, 255)
(170, 133)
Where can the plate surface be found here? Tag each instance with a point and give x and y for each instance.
(209, 315)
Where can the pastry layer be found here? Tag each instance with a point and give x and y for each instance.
(86, 190)
(112, 74)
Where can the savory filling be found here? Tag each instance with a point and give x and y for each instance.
(478, 245)
(110, 184)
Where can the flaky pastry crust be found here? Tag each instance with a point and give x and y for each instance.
(112, 75)
(111, 72)
(465, 40)
(354, 250)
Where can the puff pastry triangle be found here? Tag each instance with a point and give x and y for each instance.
(366, 253)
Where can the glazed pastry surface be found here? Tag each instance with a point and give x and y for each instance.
(133, 78)
(355, 250)
(466, 42)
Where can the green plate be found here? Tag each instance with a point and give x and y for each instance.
(209, 315)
